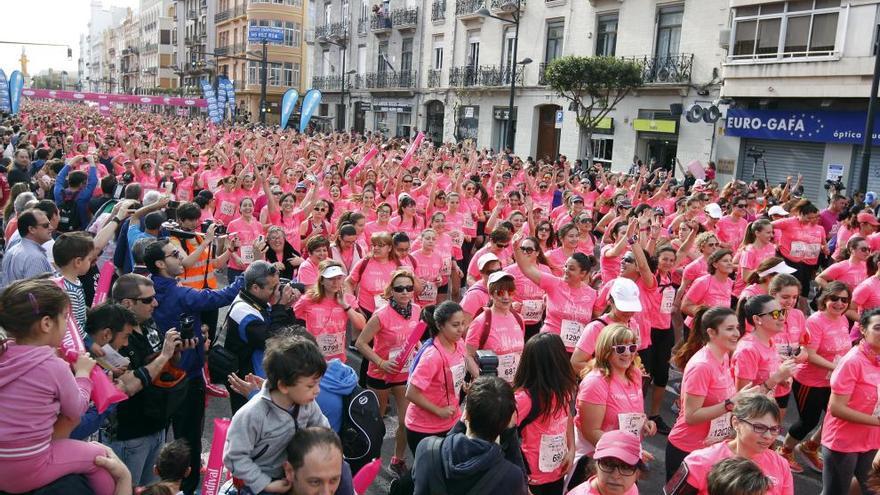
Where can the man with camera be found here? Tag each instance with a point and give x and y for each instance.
(180, 307)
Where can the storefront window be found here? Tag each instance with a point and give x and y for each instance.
(381, 120)
(404, 129)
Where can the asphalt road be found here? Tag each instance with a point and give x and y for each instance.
(808, 483)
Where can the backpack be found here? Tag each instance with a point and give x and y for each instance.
(487, 324)
(362, 429)
(68, 210)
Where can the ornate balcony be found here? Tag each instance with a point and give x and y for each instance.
(232, 49)
(404, 19)
(506, 6)
(390, 80)
(327, 83)
(468, 9)
(434, 78)
(228, 14)
(438, 10)
(666, 69)
(483, 76)
(334, 31)
(380, 24)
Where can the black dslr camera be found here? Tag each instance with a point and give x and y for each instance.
(488, 362)
(186, 326)
(220, 230)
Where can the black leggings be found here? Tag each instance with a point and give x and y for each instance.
(551, 488)
(656, 357)
(413, 438)
(810, 402)
(674, 459)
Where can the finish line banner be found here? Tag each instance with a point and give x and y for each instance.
(785, 125)
(173, 101)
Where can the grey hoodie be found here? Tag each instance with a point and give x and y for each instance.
(256, 443)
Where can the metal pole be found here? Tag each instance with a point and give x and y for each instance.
(264, 76)
(513, 65)
(342, 94)
(868, 142)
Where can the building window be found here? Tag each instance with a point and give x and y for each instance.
(798, 28)
(253, 72)
(438, 55)
(288, 74)
(606, 41)
(274, 70)
(602, 150)
(381, 54)
(381, 121)
(297, 74)
(404, 129)
(554, 41)
(406, 49)
(669, 31)
(292, 34)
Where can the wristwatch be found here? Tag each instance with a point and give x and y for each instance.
(728, 405)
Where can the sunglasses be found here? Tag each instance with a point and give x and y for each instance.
(44, 225)
(776, 314)
(543, 229)
(144, 300)
(628, 259)
(585, 220)
(742, 205)
(527, 250)
(407, 181)
(762, 429)
(842, 299)
(400, 289)
(609, 465)
(622, 348)
(504, 293)
(322, 210)
(502, 246)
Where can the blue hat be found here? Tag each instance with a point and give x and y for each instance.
(870, 197)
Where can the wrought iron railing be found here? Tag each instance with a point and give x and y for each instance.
(327, 82)
(380, 22)
(484, 75)
(467, 7)
(507, 5)
(434, 78)
(337, 30)
(232, 49)
(405, 17)
(438, 10)
(232, 13)
(390, 80)
(666, 69)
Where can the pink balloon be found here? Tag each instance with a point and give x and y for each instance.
(364, 478)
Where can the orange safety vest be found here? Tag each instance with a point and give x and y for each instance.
(201, 274)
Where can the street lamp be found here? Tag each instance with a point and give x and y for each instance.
(516, 15)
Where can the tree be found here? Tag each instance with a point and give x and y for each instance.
(594, 85)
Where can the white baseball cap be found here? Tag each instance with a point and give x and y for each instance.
(625, 293)
(777, 210)
(497, 276)
(332, 271)
(486, 258)
(714, 210)
(779, 268)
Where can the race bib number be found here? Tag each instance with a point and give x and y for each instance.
(551, 453)
(631, 422)
(331, 344)
(457, 378)
(457, 238)
(227, 208)
(719, 429)
(469, 222)
(393, 355)
(507, 364)
(570, 331)
(429, 292)
(804, 250)
(379, 301)
(247, 254)
(532, 309)
(666, 300)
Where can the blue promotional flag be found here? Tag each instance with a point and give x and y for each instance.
(221, 97)
(211, 96)
(288, 103)
(4, 93)
(16, 84)
(310, 103)
(230, 97)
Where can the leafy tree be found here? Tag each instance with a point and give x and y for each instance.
(595, 85)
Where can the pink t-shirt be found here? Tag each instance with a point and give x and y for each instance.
(709, 291)
(866, 296)
(506, 257)
(754, 361)
(290, 224)
(371, 281)
(773, 466)
(704, 376)
(657, 304)
(326, 320)
(586, 488)
(609, 265)
(374, 228)
(413, 230)
(528, 294)
(695, 269)
(439, 375)
(247, 233)
(747, 259)
(429, 269)
(731, 230)
(851, 274)
(542, 440)
(620, 397)
(858, 376)
(390, 341)
(226, 205)
(476, 297)
(830, 339)
(568, 309)
(799, 242)
(505, 338)
(307, 273)
(557, 258)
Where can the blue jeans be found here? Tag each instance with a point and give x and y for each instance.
(139, 455)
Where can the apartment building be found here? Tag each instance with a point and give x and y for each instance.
(93, 51)
(286, 60)
(194, 38)
(798, 75)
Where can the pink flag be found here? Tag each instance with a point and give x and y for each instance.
(412, 149)
(364, 161)
(214, 471)
(364, 478)
(104, 277)
(412, 340)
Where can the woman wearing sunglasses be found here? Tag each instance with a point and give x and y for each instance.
(383, 344)
(529, 297)
(756, 424)
(623, 305)
(317, 222)
(826, 342)
(851, 430)
(853, 270)
(498, 328)
(610, 395)
(713, 289)
(545, 235)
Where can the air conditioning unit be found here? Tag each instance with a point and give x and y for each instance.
(724, 38)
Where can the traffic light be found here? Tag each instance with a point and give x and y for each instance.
(69, 53)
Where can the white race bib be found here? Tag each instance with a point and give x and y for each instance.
(457, 378)
(429, 292)
(551, 453)
(507, 364)
(331, 344)
(227, 208)
(457, 238)
(469, 222)
(532, 309)
(247, 254)
(570, 331)
(380, 302)
(801, 249)
(719, 429)
(631, 422)
(666, 301)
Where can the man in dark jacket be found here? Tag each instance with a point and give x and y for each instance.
(469, 461)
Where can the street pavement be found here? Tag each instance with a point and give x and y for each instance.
(808, 483)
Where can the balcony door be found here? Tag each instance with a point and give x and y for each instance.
(669, 31)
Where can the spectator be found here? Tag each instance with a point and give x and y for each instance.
(73, 200)
(28, 258)
(19, 171)
(314, 459)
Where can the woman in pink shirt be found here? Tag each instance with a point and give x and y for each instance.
(429, 269)
(226, 201)
(707, 244)
(853, 269)
(370, 276)
(851, 431)
(867, 294)
(247, 229)
(498, 328)
(708, 392)
(545, 388)
(568, 242)
(826, 341)
(408, 219)
(438, 376)
(382, 223)
(610, 395)
(757, 246)
(546, 237)
(801, 242)
(713, 289)
(611, 253)
(383, 344)
(619, 464)
(317, 222)
(318, 248)
(756, 423)
(326, 309)
(529, 297)
(759, 280)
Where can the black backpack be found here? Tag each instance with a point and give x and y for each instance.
(68, 210)
(363, 429)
